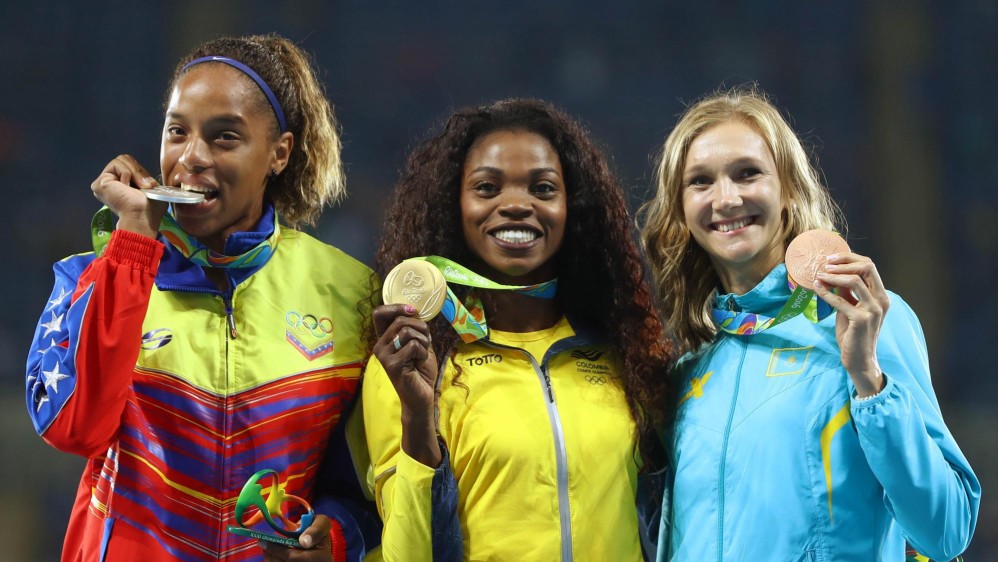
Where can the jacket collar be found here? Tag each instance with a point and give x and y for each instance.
(177, 273)
(766, 298)
(584, 336)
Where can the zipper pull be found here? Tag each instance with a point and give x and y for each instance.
(232, 325)
(229, 317)
(547, 381)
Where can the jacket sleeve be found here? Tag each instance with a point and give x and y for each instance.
(341, 491)
(653, 508)
(417, 504)
(80, 364)
(928, 484)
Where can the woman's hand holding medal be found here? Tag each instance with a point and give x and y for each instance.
(139, 210)
(405, 351)
(851, 285)
(115, 187)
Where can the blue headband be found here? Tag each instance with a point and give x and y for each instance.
(256, 78)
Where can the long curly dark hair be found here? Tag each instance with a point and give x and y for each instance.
(601, 282)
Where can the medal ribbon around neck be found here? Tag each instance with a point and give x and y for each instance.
(469, 320)
(801, 301)
(103, 223)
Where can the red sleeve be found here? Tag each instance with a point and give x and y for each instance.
(85, 348)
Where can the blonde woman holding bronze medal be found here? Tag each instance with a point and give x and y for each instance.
(200, 347)
(517, 423)
(807, 428)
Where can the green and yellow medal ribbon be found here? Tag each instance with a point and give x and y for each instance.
(103, 224)
(468, 319)
(801, 301)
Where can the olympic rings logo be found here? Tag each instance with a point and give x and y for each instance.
(596, 379)
(309, 324)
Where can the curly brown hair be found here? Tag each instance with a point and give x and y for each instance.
(601, 283)
(314, 176)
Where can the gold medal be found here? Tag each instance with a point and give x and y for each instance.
(417, 283)
(809, 251)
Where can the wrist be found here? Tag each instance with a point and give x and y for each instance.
(872, 392)
(418, 417)
(868, 380)
(419, 438)
(138, 226)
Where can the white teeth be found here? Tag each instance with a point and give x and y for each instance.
(195, 188)
(516, 236)
(728, 227)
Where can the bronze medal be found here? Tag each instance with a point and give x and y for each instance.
(417, 283)
(808, 252)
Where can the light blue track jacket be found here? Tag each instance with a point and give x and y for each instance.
(775, 459)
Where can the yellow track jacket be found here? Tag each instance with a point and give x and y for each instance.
(543, 454)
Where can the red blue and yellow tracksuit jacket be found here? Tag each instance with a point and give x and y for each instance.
(177, 392)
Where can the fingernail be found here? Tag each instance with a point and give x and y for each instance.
(150, 181)
(818, 284)
(830, 266)
(409, 309)
(832, 257)
(306, 541)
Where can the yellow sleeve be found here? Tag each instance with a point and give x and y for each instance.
(402, 485)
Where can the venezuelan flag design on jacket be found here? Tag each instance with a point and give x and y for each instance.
(177, 392)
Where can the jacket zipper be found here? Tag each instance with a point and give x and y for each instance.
(230, 322)
(564, 508)
(724, 454)
(561, 453)
(231, 334)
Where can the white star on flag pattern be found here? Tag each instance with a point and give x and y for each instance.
(62, 296)
(53, 325)
(51, 345)
(53, 377)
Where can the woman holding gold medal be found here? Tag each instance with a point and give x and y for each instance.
(210, 345)
(517, 424)
(800, 434)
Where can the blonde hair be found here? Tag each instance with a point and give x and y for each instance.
(314, 175)
(684, 276)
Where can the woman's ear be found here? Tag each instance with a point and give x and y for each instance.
(282, 152)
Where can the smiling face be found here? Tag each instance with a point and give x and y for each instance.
(513, 206)
(732, 203)
(219, 139)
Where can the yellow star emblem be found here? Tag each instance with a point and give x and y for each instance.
(696, 387)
